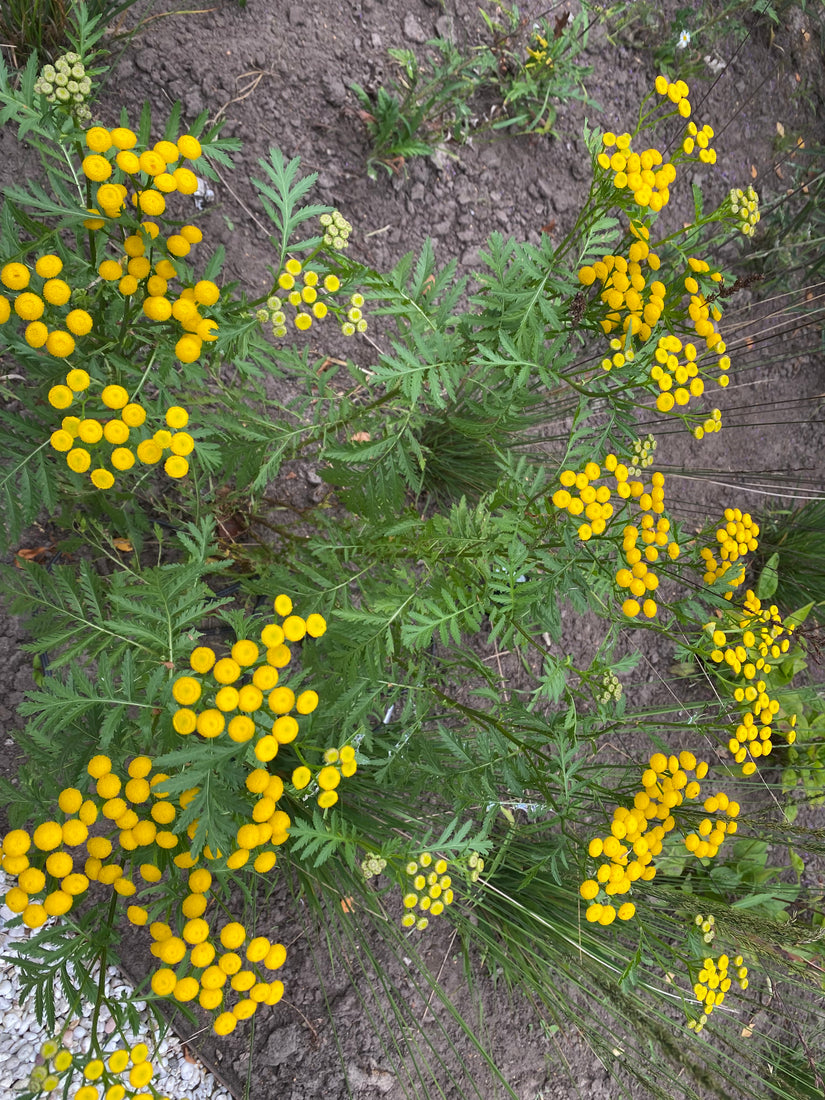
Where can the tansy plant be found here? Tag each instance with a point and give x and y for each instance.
(220, 717)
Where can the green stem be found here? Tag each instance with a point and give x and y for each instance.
(101, 983)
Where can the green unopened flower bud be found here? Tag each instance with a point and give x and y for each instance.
(348, 328)
(73, 87)
(262, 315)
(85, 85)
(361, 325)
(49, 73)
(62, 95)
(62, 65)
(78, 72)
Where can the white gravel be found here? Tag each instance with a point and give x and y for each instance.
(21, 1036)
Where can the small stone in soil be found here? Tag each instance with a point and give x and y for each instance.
(413, 30)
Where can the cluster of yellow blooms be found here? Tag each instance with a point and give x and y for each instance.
(759, 637)
(111, 435)
(636, 172)
(735, 539)
(430, 889)
(120, 1073)
(695, 139)
(50, 891)
(710, 836)
(234, 686)
(623, 292)
(667, 370)
(307, 303)
(338, 763)
(539, 57)
(636, 308)
(632, 845)
(217, 964)
(152, 173)
(60, 881)
(594, 502)
(745, 205)
(138, 270)
(623, 287)
(713, 982)
(32, 306)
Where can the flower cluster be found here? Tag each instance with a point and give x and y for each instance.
(119, 1072)
(212, 970)
(372, 866)
(697, 139)
(636, 172)
(152, 173)
(710, 835)
(735, 539)
(129, 859)
(677, 92)
(429, 889)
(747, 641)
(668, 370)
(594, 503)
(50, 890)
(713, 983)
(313, 299)
(37, 307)
(632, 845)
(141, 271)
(642, 450)
(609, 688)
(65, 83)
(233, 687)
(336, 230)
(707, 926)
(79, 437)
(338, 763)
(539, 56)
(631, 303)
(745, 207)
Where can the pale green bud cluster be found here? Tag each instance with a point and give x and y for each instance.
(642, 451)
(372, 866)
(66, 84)
(609, 688)
(745, 205)
(336, 230)
(707, 925)
(355, 320)
(476, 865)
